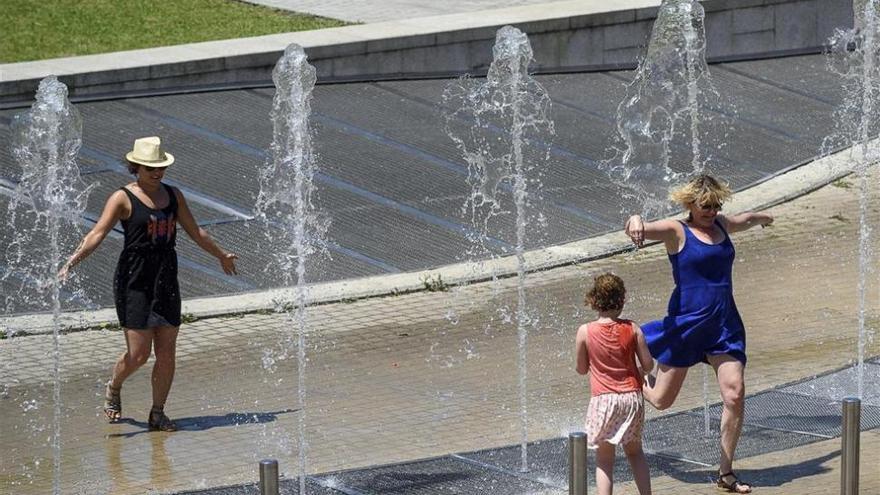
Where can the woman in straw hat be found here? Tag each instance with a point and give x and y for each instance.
(703, 323)
(145, 285)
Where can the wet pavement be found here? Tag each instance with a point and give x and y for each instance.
(407, 377)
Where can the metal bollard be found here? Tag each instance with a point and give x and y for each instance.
(577, 463)
(269, 477)
(849, 446)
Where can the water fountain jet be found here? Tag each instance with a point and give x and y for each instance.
(509, 161)
(285, 202)
(48, 200)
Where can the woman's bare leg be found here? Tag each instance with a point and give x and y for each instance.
(667, 385)
(731, 382)
(138, 344)
(165, 345)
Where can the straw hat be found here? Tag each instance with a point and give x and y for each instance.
(148, 151)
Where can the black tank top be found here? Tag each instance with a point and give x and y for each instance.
(149, 228)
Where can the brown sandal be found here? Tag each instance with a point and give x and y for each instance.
(158, 421)
(735, 486)
(112, 403)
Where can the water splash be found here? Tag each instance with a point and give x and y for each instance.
(45, 213)
(662, 105)
(285, 202)
(854, 55)
(504, 148)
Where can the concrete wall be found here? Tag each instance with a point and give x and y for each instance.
(454, 44)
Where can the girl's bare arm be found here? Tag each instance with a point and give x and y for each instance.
(582, 351)
(646, 361)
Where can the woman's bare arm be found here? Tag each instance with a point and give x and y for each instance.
(201, 237)
(745, 221)
(661, 230)
(114, 210)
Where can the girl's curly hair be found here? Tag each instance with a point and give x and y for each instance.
(607, 294)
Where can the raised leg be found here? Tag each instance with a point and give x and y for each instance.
(667, 385)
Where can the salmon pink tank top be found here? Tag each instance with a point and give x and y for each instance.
(612, 352)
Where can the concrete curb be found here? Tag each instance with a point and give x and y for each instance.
(566, 35)
(781, 188)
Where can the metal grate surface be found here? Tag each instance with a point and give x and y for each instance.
(444, 475)
(841, 384)
(393, 182)
(286, 487)
(800, 413)
(548, 462)
(682, 436)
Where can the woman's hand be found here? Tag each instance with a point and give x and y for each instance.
(64, 272)
(635, 229)
(766, 220)
(227, 261)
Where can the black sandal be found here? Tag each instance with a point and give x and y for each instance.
(736, 486)
(112, 403)
(158, 421)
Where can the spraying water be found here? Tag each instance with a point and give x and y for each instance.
(854, 55)
(504, 149)
(45, 212)
(285, 201)
(662, 105)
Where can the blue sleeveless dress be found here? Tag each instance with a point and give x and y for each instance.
(702, 318)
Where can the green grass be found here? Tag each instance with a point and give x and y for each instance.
(40, 29)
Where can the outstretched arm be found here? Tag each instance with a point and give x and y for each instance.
(745, 221)
(201, 237)
(114, 210)
(581, 351)
(661, 230)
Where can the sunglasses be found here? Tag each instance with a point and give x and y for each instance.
(711, 206)
(151, 169)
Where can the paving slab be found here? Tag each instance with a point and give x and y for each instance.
(409, 377)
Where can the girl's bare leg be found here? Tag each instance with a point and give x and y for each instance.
(667, 385)
(605, 468)
(639, 465)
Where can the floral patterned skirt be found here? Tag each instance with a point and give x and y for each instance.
(615, 418)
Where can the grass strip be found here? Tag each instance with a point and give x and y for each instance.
(41, 29)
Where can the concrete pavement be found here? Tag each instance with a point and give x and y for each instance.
(405, 377)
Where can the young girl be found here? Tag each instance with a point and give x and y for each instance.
(608, 347)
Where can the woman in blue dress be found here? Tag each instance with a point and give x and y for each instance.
(702, 323)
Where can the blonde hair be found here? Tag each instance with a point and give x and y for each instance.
(608, 293)
(701, 190)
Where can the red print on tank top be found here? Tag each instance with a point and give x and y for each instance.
(160, 229)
